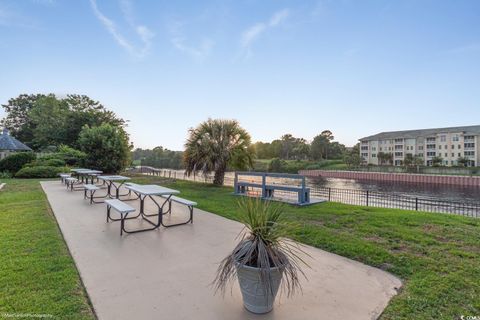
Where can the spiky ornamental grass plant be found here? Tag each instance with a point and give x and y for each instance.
(263, 245)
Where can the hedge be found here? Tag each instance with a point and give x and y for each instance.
(16, 161)
(46, 162)
(40, 172)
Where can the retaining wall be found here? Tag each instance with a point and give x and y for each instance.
(467, 181)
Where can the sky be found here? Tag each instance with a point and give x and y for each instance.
(354, 67)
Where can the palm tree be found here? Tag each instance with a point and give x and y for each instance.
(216, 144)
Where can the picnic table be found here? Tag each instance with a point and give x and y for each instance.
(114, 183)
(149, 191)
(89, 174)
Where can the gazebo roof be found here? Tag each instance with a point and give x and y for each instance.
(7, 142)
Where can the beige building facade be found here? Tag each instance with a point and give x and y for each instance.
(448, 145)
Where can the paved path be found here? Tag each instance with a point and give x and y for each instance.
(165, 274)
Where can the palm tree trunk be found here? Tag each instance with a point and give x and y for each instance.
(219, 176)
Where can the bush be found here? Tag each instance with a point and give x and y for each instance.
(107, 148)
(5, 175)
(276, 165)
(46, 162)
(72, 156)
(16, 161)
(40, 172)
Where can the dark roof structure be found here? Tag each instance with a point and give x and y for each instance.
(409, 134)
(7, 142)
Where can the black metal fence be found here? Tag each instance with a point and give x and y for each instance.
(350, 196)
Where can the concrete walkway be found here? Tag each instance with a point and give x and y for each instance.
(165, 274)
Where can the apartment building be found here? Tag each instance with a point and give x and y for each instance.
(449, 144)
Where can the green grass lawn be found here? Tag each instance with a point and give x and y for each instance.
(437, 256)
(37, 273)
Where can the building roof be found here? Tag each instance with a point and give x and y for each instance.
(422, 133)
(7, 142)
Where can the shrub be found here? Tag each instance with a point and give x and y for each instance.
(72, 156)
(16, 161)
(40, 172)
(46, 162)
(5, 175)
(276, 165)
(107, 148)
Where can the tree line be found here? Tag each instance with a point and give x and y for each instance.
(288, 147)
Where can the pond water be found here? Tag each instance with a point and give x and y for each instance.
(444, 192)
(439, 192)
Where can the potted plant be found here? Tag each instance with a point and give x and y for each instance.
(264, 259)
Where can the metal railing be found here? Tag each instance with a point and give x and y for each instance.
(348, 196)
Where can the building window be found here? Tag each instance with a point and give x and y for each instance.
(365, 155)
(374, 148)
(420, 147)
(459, 154)
(430, 140)
(431, 154)
(453, 154)
(399, 140)
(466, 138)
(469, 153)
(446, 154)
(469, 145)
(443, 138)
(364, 148)
(430, 146)
(459, 146)
(398, 154)
(440, 147)
(420, 155)
(455, 138)
(399, 147)
(374, 155)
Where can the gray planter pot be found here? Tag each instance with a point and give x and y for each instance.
(256, 298)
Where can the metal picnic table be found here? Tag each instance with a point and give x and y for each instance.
(114, 182)
(149, 191)
(89, 174)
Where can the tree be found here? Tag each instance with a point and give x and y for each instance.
(288, 143)
(42, 121)
(17, 118)
(276, 165)
(107, 147)
(385, 158)
(437, 161)
(352, 159)
(408, 160)
(49, 116)
(216, 144)
(329, 137)
(318, 147)
(462, 161)
(85, 111)
(159, 157)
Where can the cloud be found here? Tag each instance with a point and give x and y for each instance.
(250, 35)
(144, 34)
(198, 52)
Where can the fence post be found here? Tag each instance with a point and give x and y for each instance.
(367, 198)
(416, 204)
(329, 193)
